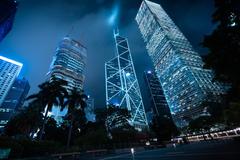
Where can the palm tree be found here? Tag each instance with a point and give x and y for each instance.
(76, 103)
(52, 93)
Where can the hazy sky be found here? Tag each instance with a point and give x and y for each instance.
(40, 24)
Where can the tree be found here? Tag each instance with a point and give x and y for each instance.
(76, 102)
(224, 54)
(164, 128)
(117, 117)
(201, 125)
(118, 126)
(93, 136)
(25, 122)
(101, 114)
(232, 115)
(52, 93)
(224, 46)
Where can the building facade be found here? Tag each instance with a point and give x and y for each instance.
(178, 66)
(9, 71)
(159, 105)
(8, 10)
(89, 110)
(122, 88)
(14, 100)
(69, 63)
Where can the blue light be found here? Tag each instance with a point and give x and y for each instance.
(113, 16)
(149, 72)
(116, 104)
(128, 74)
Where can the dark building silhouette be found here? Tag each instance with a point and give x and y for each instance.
(14, 100)
(8, 9)
(158, 103)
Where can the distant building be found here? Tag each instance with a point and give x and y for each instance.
(9, 71)
(178, 66)
(69, 63)
(8, 9)
(158, 103)
(14, 100)
(122, 88)
(89, 110)
(149, 115)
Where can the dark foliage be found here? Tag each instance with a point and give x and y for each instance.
(26, 122)
(164, 128)
(51, 93)
(224, 57)
(224, 45)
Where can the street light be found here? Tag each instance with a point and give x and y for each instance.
(132, 151)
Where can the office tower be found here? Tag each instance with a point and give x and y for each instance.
(158, 103)
(122, 87)
(89, 110)
(178, 66)
(14, 100)
(69, 63)
(9, 70)
(8, 9)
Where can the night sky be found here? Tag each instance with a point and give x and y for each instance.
(40, 24)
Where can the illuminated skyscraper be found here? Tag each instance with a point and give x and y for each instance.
(69, 63)
(158, 101)
(9, 70)
(122, 87)
(89, 110)
(8, 9)
(14, 100)
(178, 66)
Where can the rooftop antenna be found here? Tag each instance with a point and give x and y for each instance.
(116, 32)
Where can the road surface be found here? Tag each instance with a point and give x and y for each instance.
(223, 150)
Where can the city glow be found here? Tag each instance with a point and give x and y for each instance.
(128, 74)
(113, 17)
(149, 72)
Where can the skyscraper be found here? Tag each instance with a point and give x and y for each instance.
(178, 66)
(158, 103)
(89, 110)
(14, 100)
(8, 9)
(69, 63)
(9, 70)
(122, 87)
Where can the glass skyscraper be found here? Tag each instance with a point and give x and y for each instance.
(122, 88)
(178, 66)
(69, 63)
(158, 104)
(14, 100)
(8, 9)
(9, 70)
(89, 110)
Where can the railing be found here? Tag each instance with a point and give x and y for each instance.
(215, 135)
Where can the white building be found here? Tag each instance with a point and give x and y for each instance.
(9, 71)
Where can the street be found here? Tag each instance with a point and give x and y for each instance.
(219, 150)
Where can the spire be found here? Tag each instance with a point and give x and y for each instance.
(116, 32)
